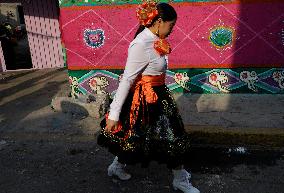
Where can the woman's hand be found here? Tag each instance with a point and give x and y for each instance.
(111, 125)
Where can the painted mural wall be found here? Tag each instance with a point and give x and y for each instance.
(218, 47)
(2, 59)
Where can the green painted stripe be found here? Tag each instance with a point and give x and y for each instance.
(69, 3)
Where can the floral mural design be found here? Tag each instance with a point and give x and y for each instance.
(278, 76)
(182, 79)
(73, 81)
(250, 78)
(218, 79)
(98, 83)
(94, 38)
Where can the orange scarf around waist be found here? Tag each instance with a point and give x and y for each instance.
(143, 88)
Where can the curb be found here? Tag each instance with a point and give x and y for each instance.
(261, 137)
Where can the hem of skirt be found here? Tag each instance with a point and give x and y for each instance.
(133, 157)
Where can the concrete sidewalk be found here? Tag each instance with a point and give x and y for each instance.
(237, 119)
(234, 119)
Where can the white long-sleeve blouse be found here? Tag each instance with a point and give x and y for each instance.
(142, 58)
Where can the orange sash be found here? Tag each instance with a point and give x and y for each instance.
(143, 88)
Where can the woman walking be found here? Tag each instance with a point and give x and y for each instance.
(143, 123)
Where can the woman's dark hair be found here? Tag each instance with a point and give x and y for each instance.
(165, 11)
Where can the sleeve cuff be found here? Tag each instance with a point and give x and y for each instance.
(113, 116)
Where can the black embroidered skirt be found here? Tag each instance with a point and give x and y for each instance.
(158, 133)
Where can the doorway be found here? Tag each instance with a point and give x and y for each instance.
(14, 38)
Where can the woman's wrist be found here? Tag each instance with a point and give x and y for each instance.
(113, 115)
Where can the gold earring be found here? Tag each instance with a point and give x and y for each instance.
(157, 32)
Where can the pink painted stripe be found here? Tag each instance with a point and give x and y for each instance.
(32, 50)
(50, 62)
(41, 29)
(56, 19)
(60, 58)
(42, 24)
(2, 60)
(49, 44)
(29, 19)
(39, 50)
(33, 44)
(56, 33)
(52, 16)
(56, 51)
(49, 14)
(35, 34)
(45, 46)
(44, 19)
(44, 50)
(39, 20)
